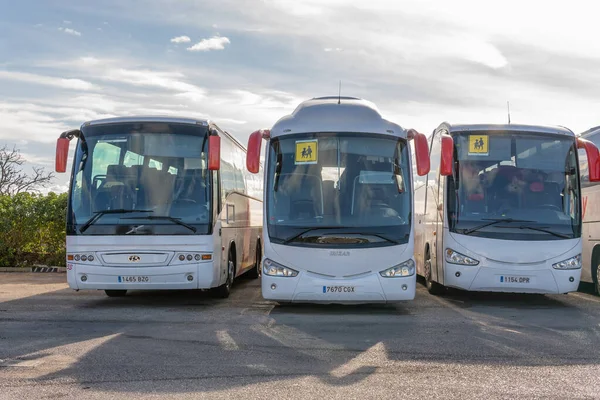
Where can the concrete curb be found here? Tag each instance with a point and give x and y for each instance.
(40, 268)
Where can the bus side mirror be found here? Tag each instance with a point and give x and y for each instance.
(214, 152)
(253, 153)
(421, 152)
(591, 152)
(447, 155)
(62, 154)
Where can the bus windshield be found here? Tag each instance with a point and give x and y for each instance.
(339, 190)
(141, 178)
(518, 186)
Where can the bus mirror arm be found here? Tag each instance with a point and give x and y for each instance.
(254, 148)
(421, 151)
(214, 152)
(447, 155)
(62, 149)
(593, 157)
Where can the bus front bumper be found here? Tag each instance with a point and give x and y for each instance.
(190, 276)
(512, 280)
(308, 288)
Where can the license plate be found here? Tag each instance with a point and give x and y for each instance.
(338, 289)
(515, 279)
(134, 279)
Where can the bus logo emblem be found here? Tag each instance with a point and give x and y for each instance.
(134, 258)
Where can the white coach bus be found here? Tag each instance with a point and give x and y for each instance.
(338, 204)
(590, 191)
(159, 203)
(501, 209)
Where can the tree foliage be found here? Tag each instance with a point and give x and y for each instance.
(32, 229)
(14, 180)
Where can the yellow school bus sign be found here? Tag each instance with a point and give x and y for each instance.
(307, 151)
(478, 145)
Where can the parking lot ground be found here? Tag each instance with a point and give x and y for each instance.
(57, 343)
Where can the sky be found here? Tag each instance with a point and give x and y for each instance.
(246, 63)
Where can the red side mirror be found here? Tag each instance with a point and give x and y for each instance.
(214, 152)
(446, 162)
(421, 152)
(592, 156)
(253, 154)
(62, 154)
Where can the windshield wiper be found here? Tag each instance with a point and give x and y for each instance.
(166, 218)
(378, 235)
(492, 222)
(316, 228)
(99, 214)
(539, 229)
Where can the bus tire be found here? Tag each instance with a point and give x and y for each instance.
(433, 288)
(254, 273)
(597, 280)
(115, 293)
(224, 290)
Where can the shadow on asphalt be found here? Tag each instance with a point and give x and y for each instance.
(216, 345)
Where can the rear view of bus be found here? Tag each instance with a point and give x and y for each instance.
(159, 203)
(501, 209)
(338, 204)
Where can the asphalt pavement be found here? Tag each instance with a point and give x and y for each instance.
(59, 344)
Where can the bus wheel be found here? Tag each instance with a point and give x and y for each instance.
(432, 287)
(115, 293)
(597, 285)
(255, 272)
(224, 290)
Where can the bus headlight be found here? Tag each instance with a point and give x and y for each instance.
(571, 263)
(407, 268)
(272, 268)
(454, 257)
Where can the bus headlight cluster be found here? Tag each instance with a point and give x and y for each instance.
(454, 257)
(272, 268)
(80, 257)
(571, 263)
(407, 268)
(189, 257)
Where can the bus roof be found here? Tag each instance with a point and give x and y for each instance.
(552, 130)
(590, 131)
(148, 118)
(336, 114)
(165, 119)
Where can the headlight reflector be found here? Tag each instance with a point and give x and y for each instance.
(272, 268)
(570, 263)
(407, 268)
(454, 257)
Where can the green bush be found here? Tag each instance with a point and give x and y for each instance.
(32, 229)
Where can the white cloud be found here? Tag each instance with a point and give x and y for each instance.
(214, 43)
(181, 39)
(64, 83)
(166, 80)
(67, 22)
(330, 49)
(70, 31)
